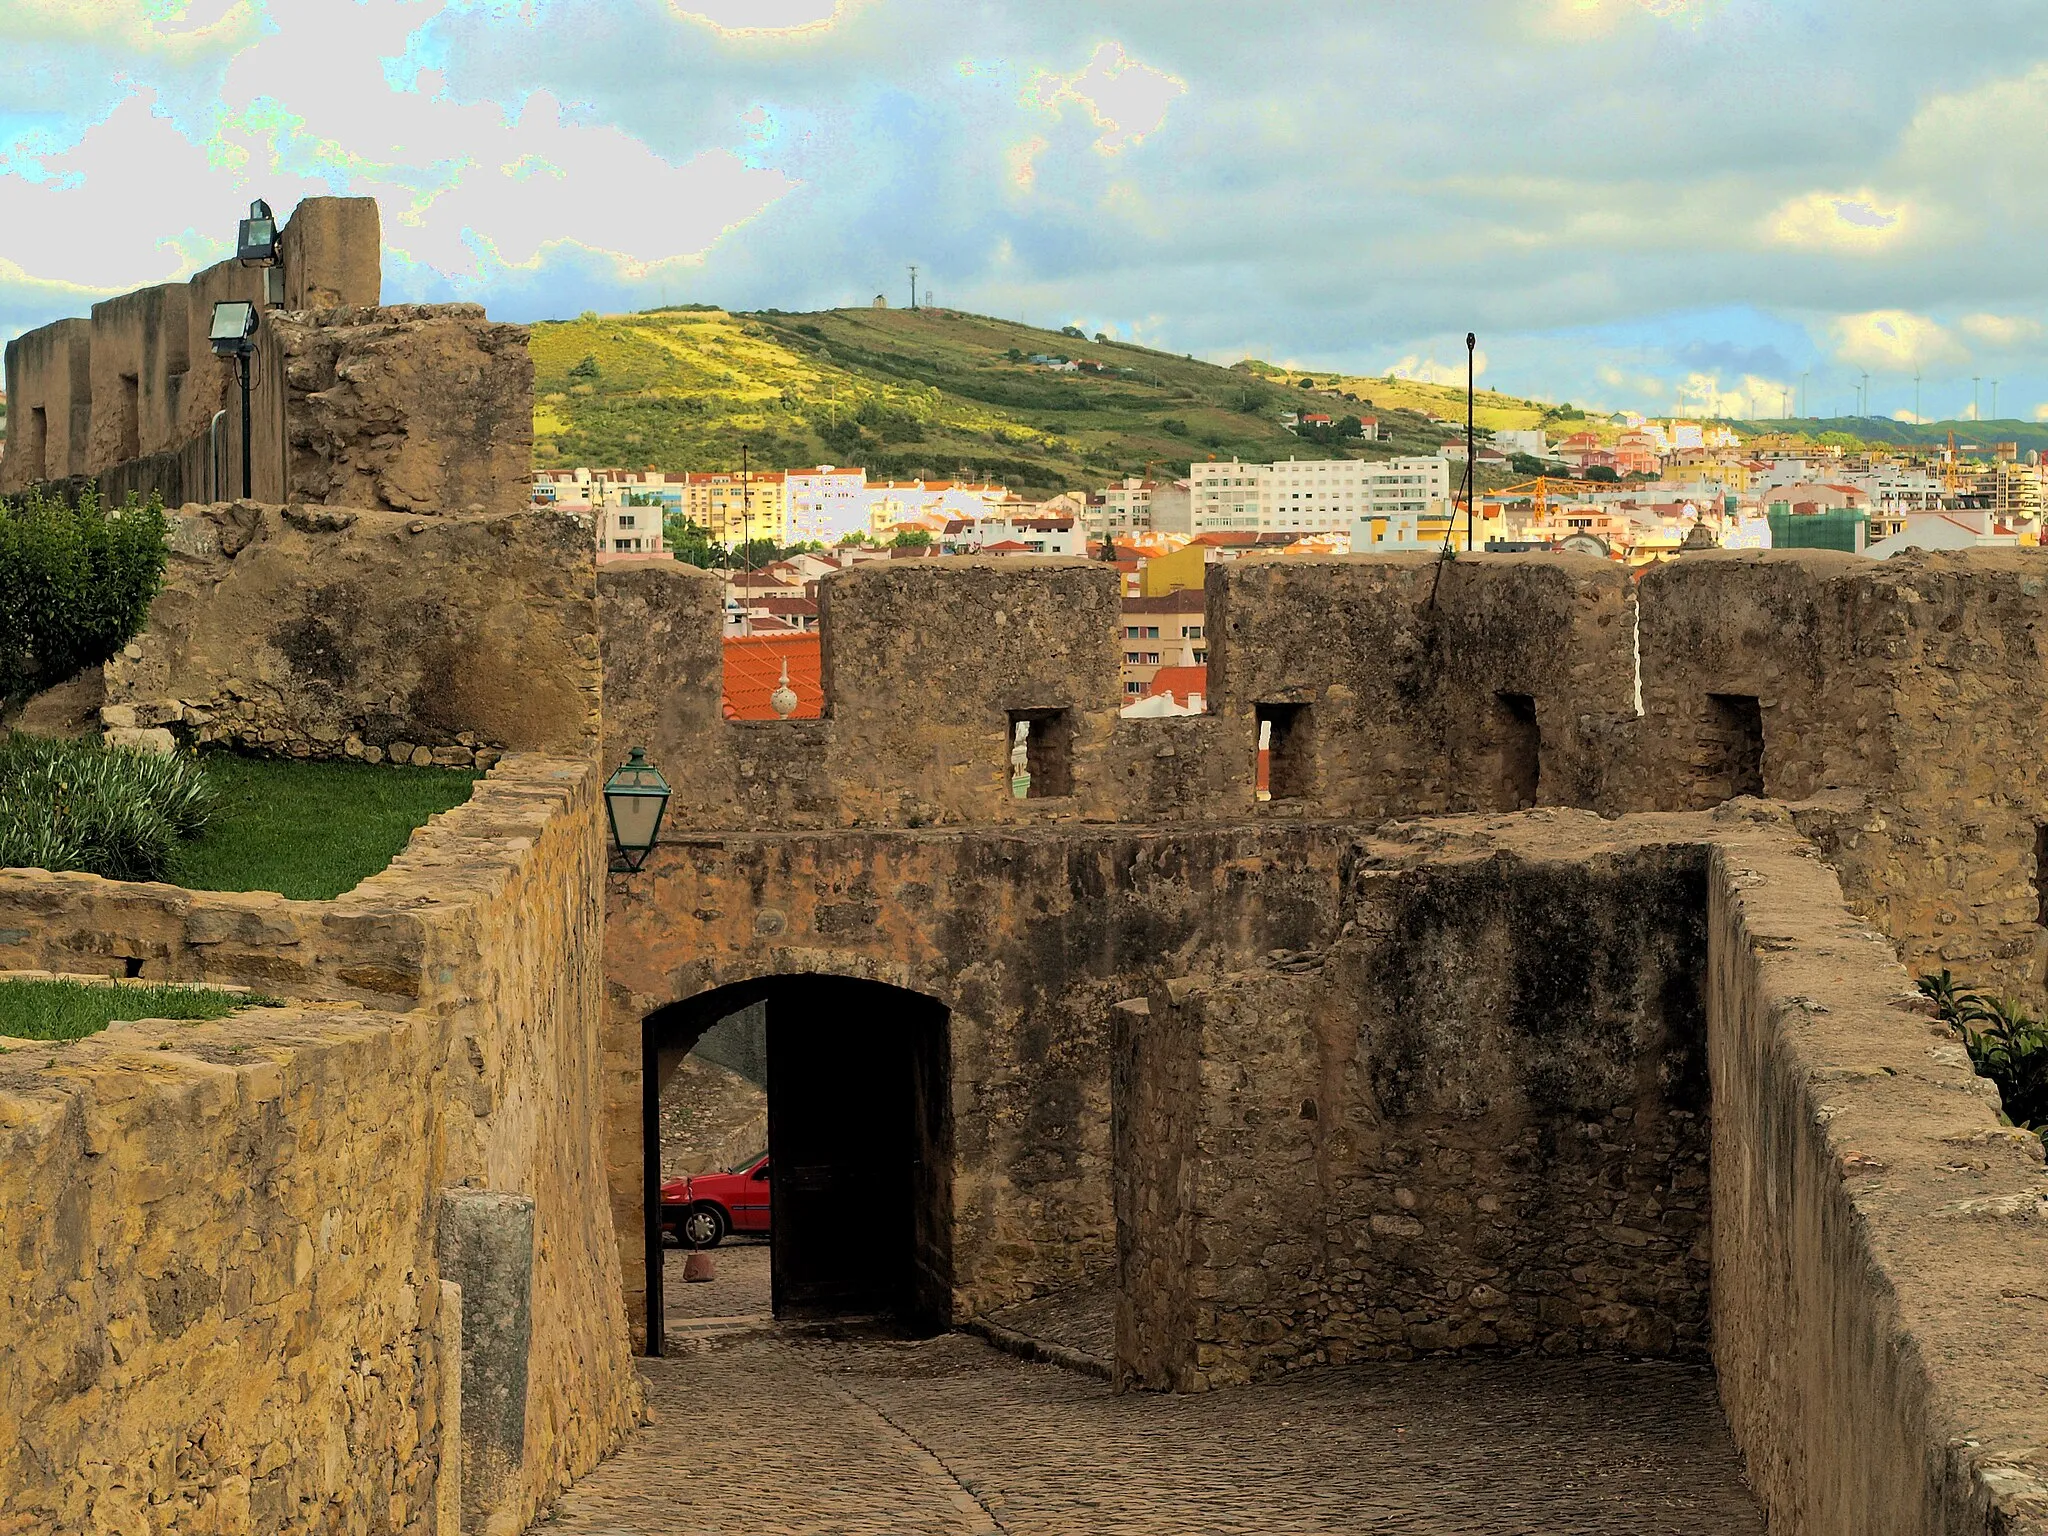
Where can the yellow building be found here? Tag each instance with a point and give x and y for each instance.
(1728, 475)
(733, 509)
(1182, 571)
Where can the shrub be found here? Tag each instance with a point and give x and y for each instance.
(75, 805)
(75, 584)
(2005, 1042)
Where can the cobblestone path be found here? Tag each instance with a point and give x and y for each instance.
(790, 1435)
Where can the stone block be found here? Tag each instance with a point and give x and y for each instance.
(485, 1246)
(142, 739)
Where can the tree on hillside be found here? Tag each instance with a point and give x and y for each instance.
(689, 543)
(911, 538)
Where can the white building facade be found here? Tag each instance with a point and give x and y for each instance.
(1311, 496)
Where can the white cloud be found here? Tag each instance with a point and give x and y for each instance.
(766, 18)
(2041, 411)
(1894, 340)
(1849, 223)
(176, 30)
(2000, 330)
(1127, 100)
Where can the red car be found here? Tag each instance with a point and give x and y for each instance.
(701, 1209)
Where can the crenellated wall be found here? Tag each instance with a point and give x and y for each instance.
(413, 408)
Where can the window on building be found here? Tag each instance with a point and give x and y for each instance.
(1191, 631)
(625, 520)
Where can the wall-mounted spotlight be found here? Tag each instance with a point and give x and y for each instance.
(256, 246)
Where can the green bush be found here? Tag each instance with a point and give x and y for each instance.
(74, 805)
(75, 584)
(2005, 1042)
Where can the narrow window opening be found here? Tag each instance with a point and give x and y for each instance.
(131, 966)
(128, 417)
(2041, 873)
(1734, 760)
(1041, 753)
(1521, 750)
(34, 448)
(1286, 751)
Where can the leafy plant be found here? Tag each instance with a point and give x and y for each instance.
(75, 584)
(76, 805)
(2006, 1044)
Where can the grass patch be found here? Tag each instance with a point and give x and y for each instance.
(309, 830)
(71, 1010)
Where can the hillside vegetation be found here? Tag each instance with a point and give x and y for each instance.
(932, 393)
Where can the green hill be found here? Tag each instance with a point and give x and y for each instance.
(907, 393)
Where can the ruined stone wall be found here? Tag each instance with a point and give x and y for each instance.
(1392, 671)
(317, 632)
(482, 942)
(1912, 688)
(1878, 1236)
(412, 408)
(1029, 937)
(926, 666)
(216, 1277)
(1478, 1120)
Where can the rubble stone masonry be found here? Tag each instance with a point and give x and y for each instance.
(221, 1286)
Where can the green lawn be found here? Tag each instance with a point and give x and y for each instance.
(309, 830)
(71, 1010)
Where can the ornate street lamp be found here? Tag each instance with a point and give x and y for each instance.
(232, 335)
(634, 799)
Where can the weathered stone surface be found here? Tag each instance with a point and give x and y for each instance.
(412, 408)
(221, 1238)
(299, 635)
(485, 1245)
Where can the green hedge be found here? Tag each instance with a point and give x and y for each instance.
(75, 584)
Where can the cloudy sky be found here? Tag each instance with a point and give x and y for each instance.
(1653, 203)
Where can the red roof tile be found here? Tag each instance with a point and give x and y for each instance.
(753, 670)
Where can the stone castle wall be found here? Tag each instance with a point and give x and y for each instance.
(1406, 1143)
(1900, 702)
(1477, 1120)
(328, 632)
(1030, 938)
(251, 1215)
(412, 408)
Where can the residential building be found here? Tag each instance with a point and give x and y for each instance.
(1173, 691)
(1166, 631)
(733, 508)
(1222, 495)
(1331, 495)
(825, 503)
(1122, 508)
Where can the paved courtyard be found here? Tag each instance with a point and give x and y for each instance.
(772, 1433)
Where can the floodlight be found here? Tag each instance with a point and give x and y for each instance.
(256, 240)
(234, 322)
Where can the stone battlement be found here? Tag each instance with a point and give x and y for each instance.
(414, 408)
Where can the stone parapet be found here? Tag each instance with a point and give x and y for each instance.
(325, 1132)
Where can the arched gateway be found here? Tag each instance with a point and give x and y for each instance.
(860, 1143)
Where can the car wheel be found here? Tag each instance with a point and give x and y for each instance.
(702, 1226)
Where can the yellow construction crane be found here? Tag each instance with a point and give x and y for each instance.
(1541, 486)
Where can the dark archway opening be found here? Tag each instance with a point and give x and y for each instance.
(860, 1144)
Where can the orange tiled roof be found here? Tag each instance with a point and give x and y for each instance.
(753, 670)
(1181, 682)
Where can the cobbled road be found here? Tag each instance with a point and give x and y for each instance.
(763, 1433)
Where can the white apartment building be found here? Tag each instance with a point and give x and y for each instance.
(1222, 497)
(1311, 495)
(1125, 507)
(1330, 495)
(825, 503)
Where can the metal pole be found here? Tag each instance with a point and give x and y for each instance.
(650, 1173)
(1471, 450)
(243, 367)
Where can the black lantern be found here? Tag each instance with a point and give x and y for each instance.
(634, 799)
(256, 239)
